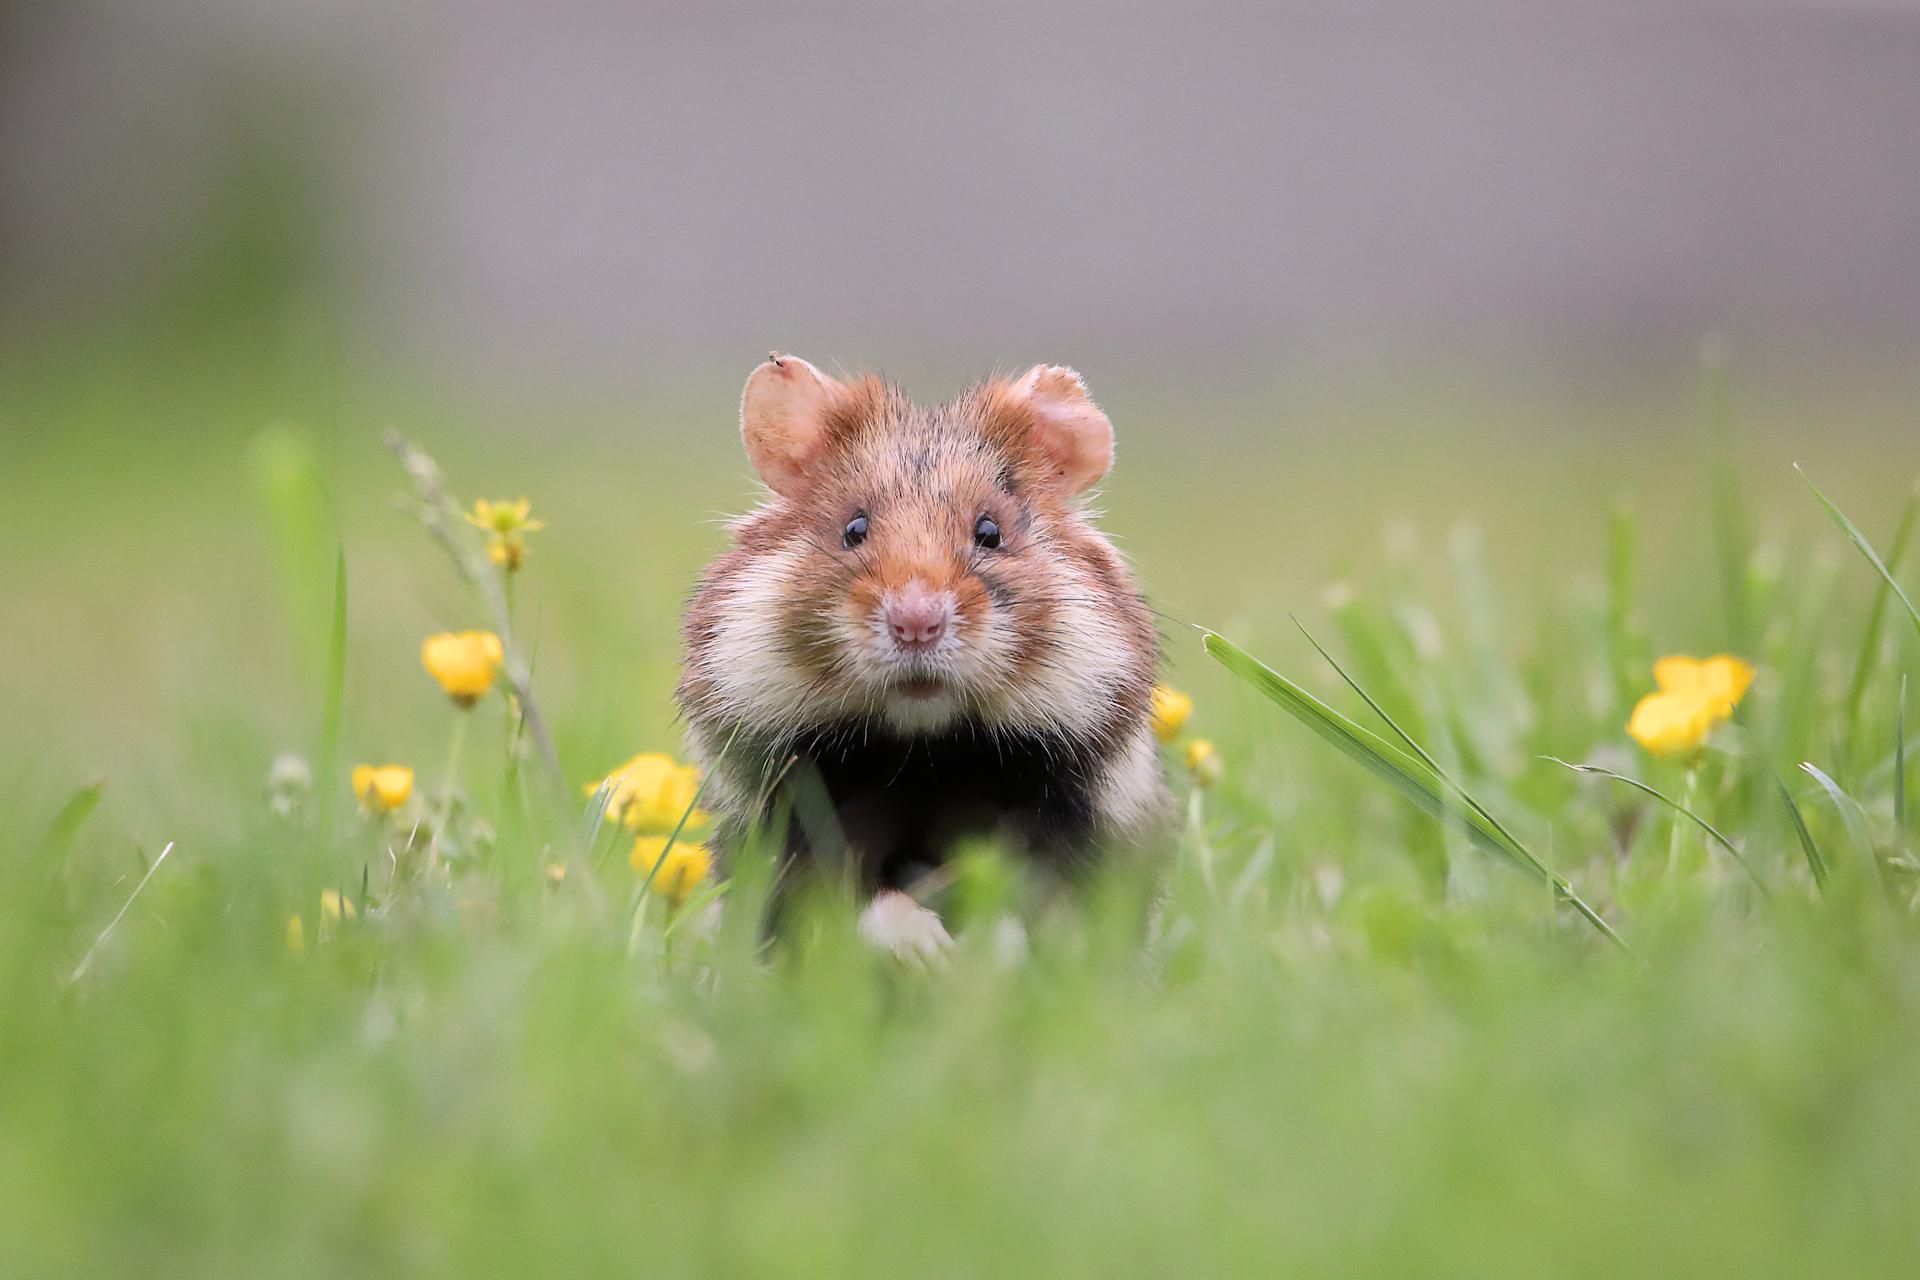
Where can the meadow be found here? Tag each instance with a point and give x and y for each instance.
(1419, 999)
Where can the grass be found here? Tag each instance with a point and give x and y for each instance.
(1354, 1044)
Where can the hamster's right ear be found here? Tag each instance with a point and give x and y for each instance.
(783, 419)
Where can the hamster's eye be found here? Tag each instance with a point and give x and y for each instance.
(856, 531)
(986, 533)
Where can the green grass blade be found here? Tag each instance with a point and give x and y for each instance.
(1866, 548)
(1900, 762)
(1512, 841)
(1414, 780)
(1850, 815)
(1713, 832)
(86, 961)
(1815, 862)
(1869, 654)
(66, 824)
(596, 821)
(1405, 774)
(673, 838)
(1882, 773)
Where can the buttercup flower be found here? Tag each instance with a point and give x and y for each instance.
(1670, 724)
(686, 865)
(1718, 681)
(382, 788)
(296, 935)
(1693, 696)
(1170, 711)
(507, 525)
(650, 792)
(1203, 762)
(334, 905)
(465, 663)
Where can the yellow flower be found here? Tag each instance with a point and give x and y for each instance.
(1693, 696)
(382, 788)
(1671, 724)
(464, 663)
(1170, 711)
(507, 525)
(555, 873)
(686, 865)
(650, 792)
(296, 935)
(1720, 681)
(504, 516)
(334, 905)
(1203, 762)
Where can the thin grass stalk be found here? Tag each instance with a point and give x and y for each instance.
(1869, 654)
(1900, 762)
(1688, 798)
(456, 741)
(1712, 831)
(1865, 548)
(673, 837)
(1816, 861)
(1850, 817)
(596, 818)
(86, 961)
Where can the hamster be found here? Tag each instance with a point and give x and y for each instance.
(923, 619)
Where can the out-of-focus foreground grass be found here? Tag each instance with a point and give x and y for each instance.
(1356, 1046)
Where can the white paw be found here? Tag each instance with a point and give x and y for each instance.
(896, 923)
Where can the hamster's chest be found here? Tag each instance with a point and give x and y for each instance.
(902, 803)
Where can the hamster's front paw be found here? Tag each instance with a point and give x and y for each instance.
(895, 922)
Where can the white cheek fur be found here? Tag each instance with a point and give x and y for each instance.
(1073, 690)
(1076, 687)
(747, 662)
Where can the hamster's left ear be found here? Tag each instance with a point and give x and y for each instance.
(1072, 433)
(783, 419)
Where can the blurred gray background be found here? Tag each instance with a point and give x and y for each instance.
(1226, 191)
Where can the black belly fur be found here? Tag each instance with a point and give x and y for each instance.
(901, 803)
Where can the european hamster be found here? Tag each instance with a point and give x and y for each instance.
(923, 618)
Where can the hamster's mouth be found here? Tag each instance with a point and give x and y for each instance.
(920, 688)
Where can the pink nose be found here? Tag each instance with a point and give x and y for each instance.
(917, 617)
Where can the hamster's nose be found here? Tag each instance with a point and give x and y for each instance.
(917, 617)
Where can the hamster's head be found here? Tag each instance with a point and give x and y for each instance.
(921, 567)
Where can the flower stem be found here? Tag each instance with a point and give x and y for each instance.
(1689, 797)
(1197, 838)
(455, 741)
